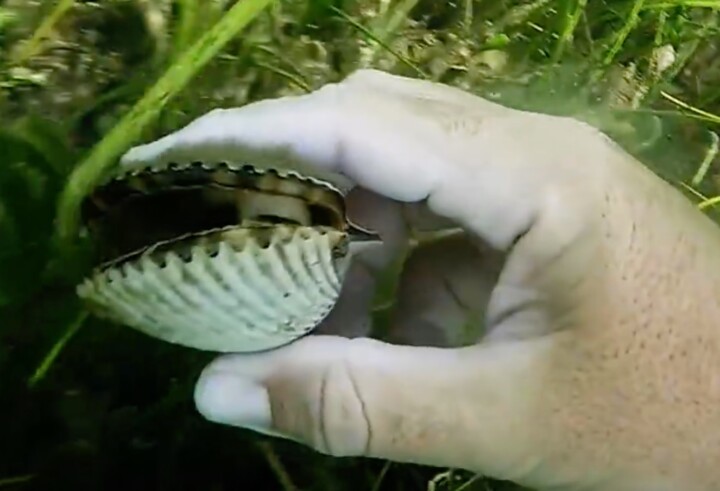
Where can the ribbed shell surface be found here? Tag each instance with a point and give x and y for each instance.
(238, 291)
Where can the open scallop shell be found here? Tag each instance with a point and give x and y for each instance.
(249, 282)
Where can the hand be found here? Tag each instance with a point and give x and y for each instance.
(596, 283)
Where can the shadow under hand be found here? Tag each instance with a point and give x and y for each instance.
(427, 284)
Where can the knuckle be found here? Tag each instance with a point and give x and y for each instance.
(344, 429)
(364, 75)
(291, 415)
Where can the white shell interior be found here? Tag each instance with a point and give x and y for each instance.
(242, 297)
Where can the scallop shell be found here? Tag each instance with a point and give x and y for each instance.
(170, 267)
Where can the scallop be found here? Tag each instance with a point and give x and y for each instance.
(218, 256)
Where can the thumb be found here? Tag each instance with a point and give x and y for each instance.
(464, 407)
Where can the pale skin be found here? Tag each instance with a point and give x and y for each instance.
(597, 281)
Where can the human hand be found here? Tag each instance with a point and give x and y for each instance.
(595, 281)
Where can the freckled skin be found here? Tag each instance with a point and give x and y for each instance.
(635, 383)
(600, 367)
(630, 388)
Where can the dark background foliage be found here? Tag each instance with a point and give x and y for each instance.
(91, 405)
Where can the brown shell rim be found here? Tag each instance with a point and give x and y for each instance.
(172, 165)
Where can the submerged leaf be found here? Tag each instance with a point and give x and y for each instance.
(49, 140)
(28, 188)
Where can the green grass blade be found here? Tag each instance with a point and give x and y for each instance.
(129, 129)
(707, 116)
(713, 4)
(569, 26)
(710, 155)
(13, 481)
(34, 44)
(630, 23)
(186, 25)
(398, 15)
(57, 348)
(379, 41)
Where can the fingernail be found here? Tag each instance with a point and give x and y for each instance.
(225, 398)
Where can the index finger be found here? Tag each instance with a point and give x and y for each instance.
(340, 128)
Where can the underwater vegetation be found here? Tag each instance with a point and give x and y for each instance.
(89, 404)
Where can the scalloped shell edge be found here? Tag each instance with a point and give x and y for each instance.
(235, 299)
